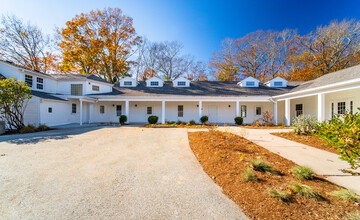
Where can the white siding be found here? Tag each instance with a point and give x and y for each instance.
(343, 96)
(32, 112)
(191, 111)
(61, 113)
(103, 88)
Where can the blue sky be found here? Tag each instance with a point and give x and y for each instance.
(200, 25)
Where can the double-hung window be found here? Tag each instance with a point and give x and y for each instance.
(73, 108)
(258, 110)
(299, 109)
(149, 110)
(118, 110)
(102, 109)
(154, 83)
(180, 111)
(341, 108)
(243, 111)
(39, 83)
(29, 80)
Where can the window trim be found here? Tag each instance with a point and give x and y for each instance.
(256, 112)
(117, 115)
(95, 86)
(41, 84)
(128, 83)
(183, 83)
(26, 80)
(180, 111)
(76, 84)
(243, 111)
(299, 112)
(251, 82)
(50, 110)
(102, 107)
(155, 82)
(147, 110)
(72, 108)
(338, 106)
(281, 84)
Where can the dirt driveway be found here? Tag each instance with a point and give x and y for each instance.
(107, 173)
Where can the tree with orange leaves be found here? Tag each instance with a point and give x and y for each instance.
(99, 42)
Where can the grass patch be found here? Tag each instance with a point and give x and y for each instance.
(304, 190)
(280, 195)
(303, 172)
(346, 195)
(249, 175)
(260, 165)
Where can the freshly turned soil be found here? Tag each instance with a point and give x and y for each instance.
(263, 127)
(313, 141)
(226, 156)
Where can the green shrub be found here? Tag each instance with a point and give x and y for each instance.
(304, 124)
(172, 122)
(28, 129)
(239, 120)
(303, 172)
(343, 133)
(204, 119)
(192, 122)
(280, 195)
(249, 175)
(43, 127)
(354, 216)
(180, 122)
(261, 165)
(305, 191)
(153, 119)
(346, 194)
(122, 119)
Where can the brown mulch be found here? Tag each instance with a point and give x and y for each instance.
(224, 158)
(311, 140)
(263, 127)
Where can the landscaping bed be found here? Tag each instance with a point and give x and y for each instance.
(264, 127)
(311, 140)
(226, 156)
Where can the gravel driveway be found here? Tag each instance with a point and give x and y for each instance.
(107, 173)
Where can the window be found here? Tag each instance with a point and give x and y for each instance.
(250, 83)
(299, 109)
(149, 110)
(39, 83)
(95, 88)
(102, 109)
(279, 84)
(332, 110)
(351, 107)
(77, 89)
(180, 111)
(73, 108)
(29, 80)
(118, 110)
(341, 108)
(127, 83)
(50, 110)
(181, 83)
(243, 111)
(154, 83)
(258, 110)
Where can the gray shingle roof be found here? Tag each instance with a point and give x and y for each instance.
(2, 77)
(200, 88)
(331, 78)
(70, 76)
(45, 95)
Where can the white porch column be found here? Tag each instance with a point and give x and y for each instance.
(163, 112)
(90, 112)
(275, 113)
(81, 109)
(287, 112)
(200, 110)
(321, 107)
(127, 110)
(237, 109)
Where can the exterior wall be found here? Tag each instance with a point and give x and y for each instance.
(9, 71)
(32, 112)
(138, 114)
(219, 112)
(309, 106)
(61, 113)
(103, 88)
(281, 112)
(191, 111)
(110, 112)
(343, 96)
(251, 110)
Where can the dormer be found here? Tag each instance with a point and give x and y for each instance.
(249, 82)
(181, 82)
(277, 82)
(154, 82)
(127, 82)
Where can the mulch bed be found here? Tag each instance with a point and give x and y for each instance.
(263, 127)
(224, 158)
(311, 140)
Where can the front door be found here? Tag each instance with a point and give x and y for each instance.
(213, 113)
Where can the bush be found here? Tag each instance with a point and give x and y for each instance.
(280, 195)
(304, 124)
(346, 195)
(122, 119)
(239, 120)
(249, 175)
(343, 133)
(43, 128)
(192, 122)
(180, 122)
(260, 165)
(267, 118)
(303, 172)
(257, 123)
(304, 190)
(153, 119)
(28, 129)
(204, 119)
(172, 122)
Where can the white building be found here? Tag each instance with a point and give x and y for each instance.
(72, 98)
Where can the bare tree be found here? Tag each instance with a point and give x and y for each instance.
(25, 44)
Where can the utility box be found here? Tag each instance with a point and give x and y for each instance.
(2, 127)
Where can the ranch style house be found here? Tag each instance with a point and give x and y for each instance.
(59, 99)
